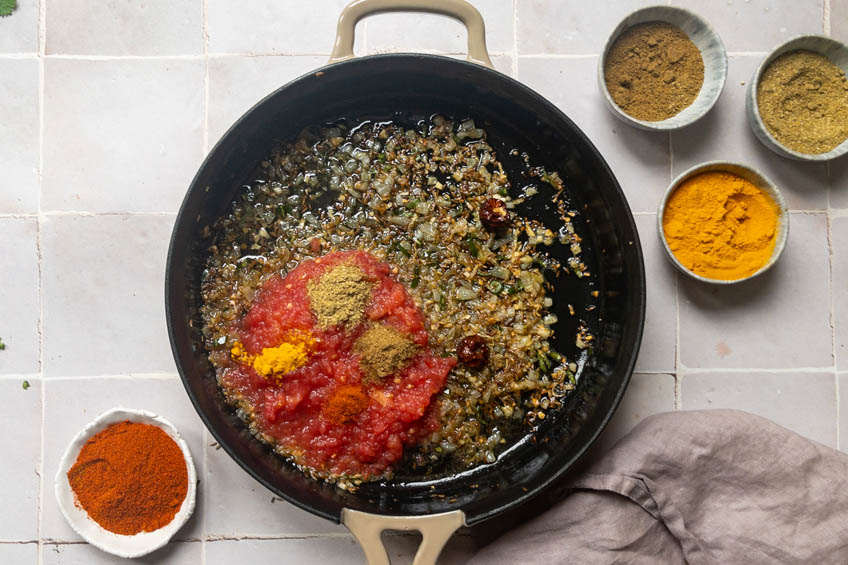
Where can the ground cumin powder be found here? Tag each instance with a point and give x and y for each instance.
(802, 98)
(383, 350)
(653, 71)
(720, 226)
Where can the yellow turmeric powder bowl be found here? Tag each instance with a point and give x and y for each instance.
(723, 223)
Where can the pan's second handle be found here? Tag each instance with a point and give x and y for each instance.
(457, 9)
(436, 530)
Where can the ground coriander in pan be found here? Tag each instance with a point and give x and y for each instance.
(375, 300)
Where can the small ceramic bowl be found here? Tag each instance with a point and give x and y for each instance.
(116, 544)
(753, 176)
(835, 51)
(704, 38)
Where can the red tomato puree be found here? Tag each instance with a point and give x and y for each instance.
(292, 409)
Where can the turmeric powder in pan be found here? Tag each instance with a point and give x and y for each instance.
(720, 226)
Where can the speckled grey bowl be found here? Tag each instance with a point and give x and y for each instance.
(753, 176)
(835, 51)
(704, 38)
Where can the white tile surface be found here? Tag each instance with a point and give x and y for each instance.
(839, 19)
(104, 274)
(839, 183)
(419, 32)
(20, 465)
(125, 104)
(779, 320)
(19, 31)
(843, 401)
(121, 135)
(803, 402)
(659, 342)
(570, 27)
(19, 132)
(723, 134)
(274, 26)
(153, 27)
(23, 553)
(237, 83)
(326, 551)
(19, 299)
(84, 554)
(639, 159)
(647, 394)
(70, 404)
(230, 487)
(758, 25)
(839, 283)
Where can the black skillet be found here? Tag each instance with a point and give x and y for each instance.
(394, 86)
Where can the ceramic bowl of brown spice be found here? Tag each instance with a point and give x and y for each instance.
(797, 101)
(662, 68)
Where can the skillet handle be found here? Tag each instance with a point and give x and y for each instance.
(457, 9)
(435, 530)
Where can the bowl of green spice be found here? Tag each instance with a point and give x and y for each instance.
(662, 68)
(797, 102)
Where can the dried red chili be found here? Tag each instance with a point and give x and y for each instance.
(130, 478)
(473, 351)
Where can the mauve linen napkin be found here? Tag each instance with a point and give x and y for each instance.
(714, 486)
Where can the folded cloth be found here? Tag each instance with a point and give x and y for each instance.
(713, 486)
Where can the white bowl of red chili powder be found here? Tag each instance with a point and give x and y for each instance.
(127, 482)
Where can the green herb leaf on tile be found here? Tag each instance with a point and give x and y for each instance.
(7, 7)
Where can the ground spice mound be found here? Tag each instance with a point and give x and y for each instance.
(340, 296)
(653, 71)
(383, 350)
(130, 478)
(345, 404)
(720, 226)
(802, 98)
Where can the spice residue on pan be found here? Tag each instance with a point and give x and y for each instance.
(653, 71)
(721, 226)
(802, 98)
(434, 204)
(130, 478)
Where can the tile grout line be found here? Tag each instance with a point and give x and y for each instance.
(84, 213)
(826, 17)
(771, 370)
(203, 486)
(678, 385)
(830, 256)
(515, 39)
(42, 49)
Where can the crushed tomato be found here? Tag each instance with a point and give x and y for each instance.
(290, 409)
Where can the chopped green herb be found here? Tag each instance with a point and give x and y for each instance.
(473, 247)
(412, 204)
(381, 156)
(503, 191)
(494, 286)
(25, 385)
(7, 7)
(544, 362)
(416, 279)
(283, 211)
(2, 345)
